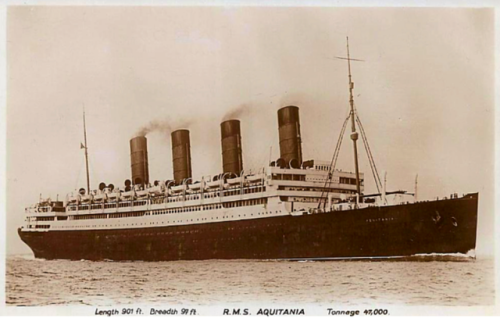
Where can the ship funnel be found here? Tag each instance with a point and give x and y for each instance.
(139, 160)
(289, 133)
(232, 161)
(181, 155)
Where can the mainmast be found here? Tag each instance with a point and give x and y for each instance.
(353, 116)
(354, 133)
(86, 153)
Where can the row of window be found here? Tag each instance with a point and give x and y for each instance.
(181, 210)
(126, 204)
(322, 168)
(307, 200)
(212, 206)
(164, 222)
(90, 216)
(245, 191)
(316, 189)
(211, 195)
(344, 180)
(245, 203)
(292, 177)
(163, 211)
(126, 214)
(44, 218)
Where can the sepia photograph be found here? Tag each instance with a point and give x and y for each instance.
(233, 160)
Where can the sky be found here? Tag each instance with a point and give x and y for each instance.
(424, 93)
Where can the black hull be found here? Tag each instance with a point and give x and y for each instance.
(446, 226)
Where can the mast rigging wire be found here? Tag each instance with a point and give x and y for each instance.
(333, 162)
(373, 166)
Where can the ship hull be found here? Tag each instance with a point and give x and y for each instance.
(445, 226)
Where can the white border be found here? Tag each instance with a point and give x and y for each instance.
(217, 310)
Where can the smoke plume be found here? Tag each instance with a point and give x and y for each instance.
(162, 126)
(154, 126)
(237, 112)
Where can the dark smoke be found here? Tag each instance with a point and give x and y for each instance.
(237, 112)
(163, 126)
(154, 126)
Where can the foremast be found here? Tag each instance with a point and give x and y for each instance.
(354, 133)
(353, 116)
(86, 153)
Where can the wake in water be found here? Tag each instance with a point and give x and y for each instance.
(433, 257)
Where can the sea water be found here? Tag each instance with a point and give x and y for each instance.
(441, 281)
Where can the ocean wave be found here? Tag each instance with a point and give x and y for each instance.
(394, 281)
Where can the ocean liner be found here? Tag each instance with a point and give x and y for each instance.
(292, 209)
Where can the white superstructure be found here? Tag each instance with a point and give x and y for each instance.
(271, 192)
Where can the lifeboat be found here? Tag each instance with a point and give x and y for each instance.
(213, 184)
(195, 186)
(234, 181)
(74, 199)
(178, 188)
(47, 201)
(142, 193)
(113, 196)
(86, 198)
(255, 178)
(100, 197)
(157, 190)
(128, 194)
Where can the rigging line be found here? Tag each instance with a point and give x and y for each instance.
(363, 137)
(338, 150)
(342, 135)
(334, 159)
(372, 162)
(371, 154)
(331, 163)
(368, 153)
(369, 149)
(334, 163)
(373, 166)
(86, 151)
